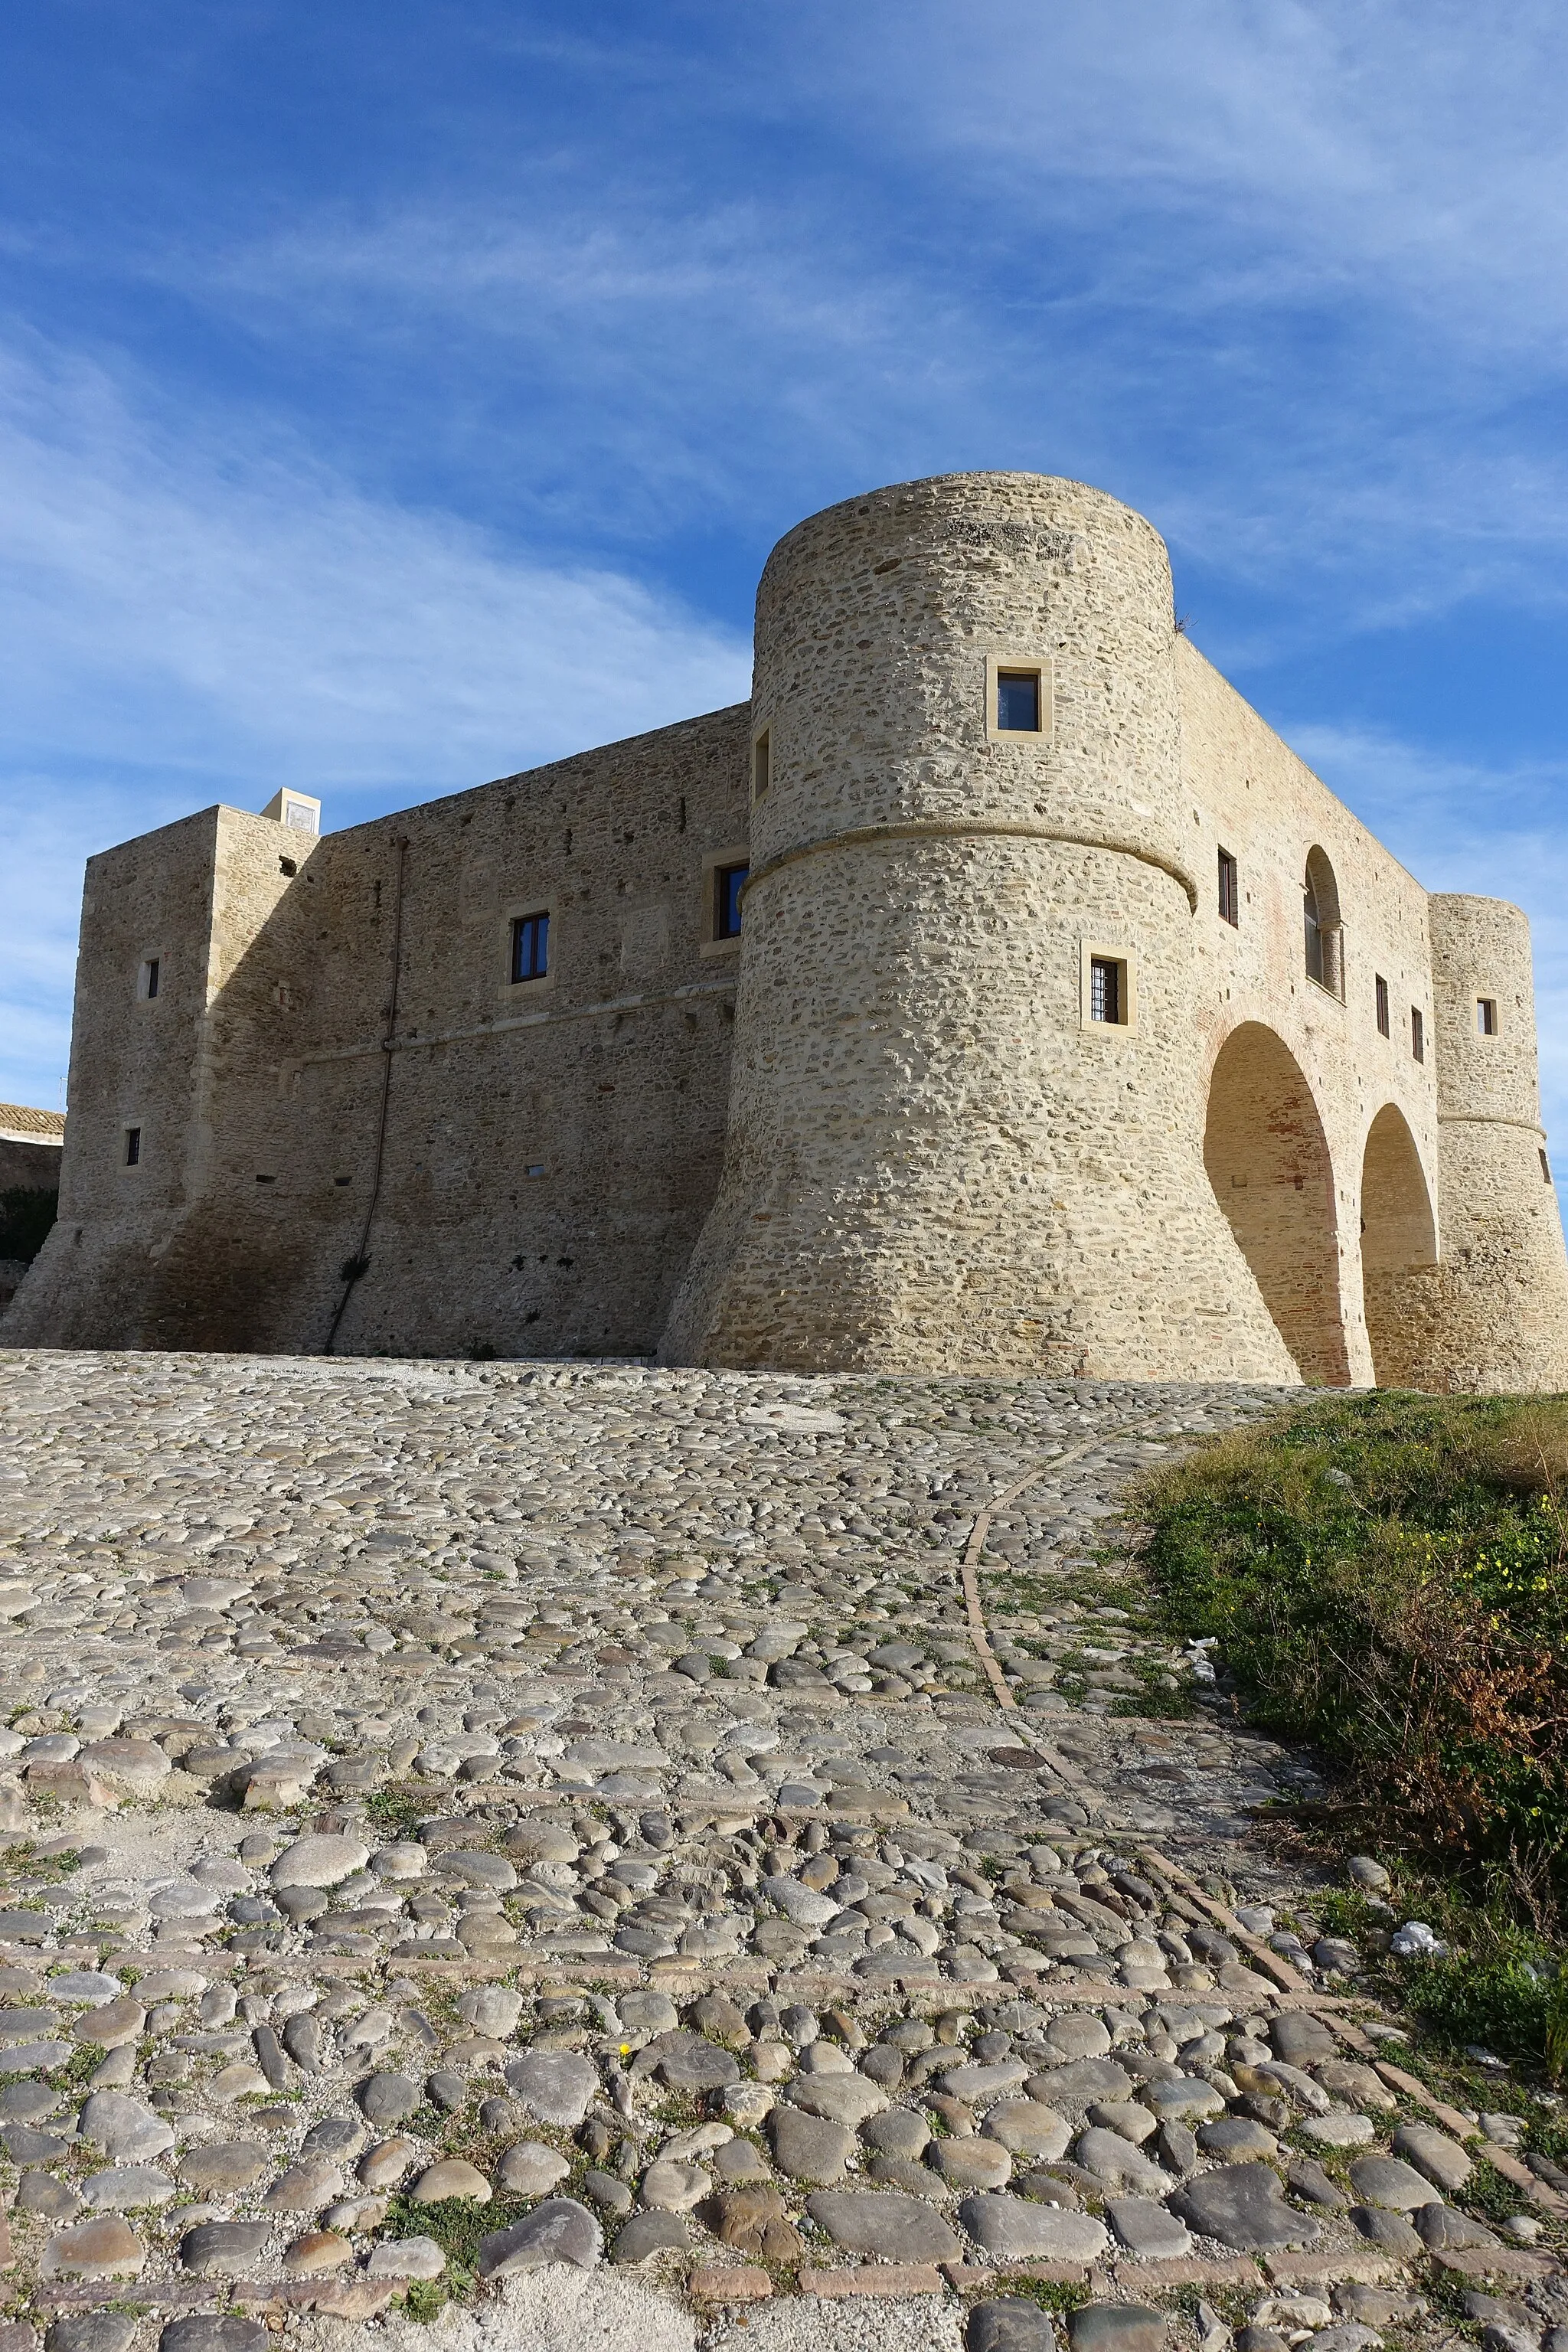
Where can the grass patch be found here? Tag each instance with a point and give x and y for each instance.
(457, 2225)
(1388, 1577)
(397, 1812)
(1503, 1989)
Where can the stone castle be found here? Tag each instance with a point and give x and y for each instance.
(993, 992)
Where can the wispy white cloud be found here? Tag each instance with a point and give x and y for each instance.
(216, 599)
(189, 617)
(1286, 277)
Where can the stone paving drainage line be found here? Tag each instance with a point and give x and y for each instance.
(976, 1545)
(1283, 1974)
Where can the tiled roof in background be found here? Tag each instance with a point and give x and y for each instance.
(20, 1125)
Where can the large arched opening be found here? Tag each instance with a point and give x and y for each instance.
(1267, 1160)
(1398, 1241)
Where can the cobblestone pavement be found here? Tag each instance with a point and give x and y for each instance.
(465, 1821)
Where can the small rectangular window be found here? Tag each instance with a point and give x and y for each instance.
(152, 975)
(1229, 889)
(133, 1147)
(1417, 1034)
(1545, 1168)
(1485, 1016)
(530, 947)
(1104, 989)
(1382, 987)
(729, 881)
(1018, 701)
(761, 765)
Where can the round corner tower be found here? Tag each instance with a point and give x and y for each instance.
(1501, 1316)
(961, 1132)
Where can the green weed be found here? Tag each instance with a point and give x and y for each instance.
(1388, 1577)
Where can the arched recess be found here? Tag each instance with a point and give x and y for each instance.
(1325, 942)
(1398, 1245)
(1267, 1160)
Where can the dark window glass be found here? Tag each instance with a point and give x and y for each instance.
(1018, 701)
(1104, 989)
(530, 947)
(132, 1146)
(1486, 1015)
(728, 883)
(1382, 987)
(152, 975)
(1417, 1034)
(1230, 895)
(1314, 939)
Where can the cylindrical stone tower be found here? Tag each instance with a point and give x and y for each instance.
(971, 845)
(1502, 1311)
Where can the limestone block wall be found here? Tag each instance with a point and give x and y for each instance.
(1495, 1314)
(28, 1167)
(137, 1063)
(1293, 1080)
(256, 1075)
(934, 1158)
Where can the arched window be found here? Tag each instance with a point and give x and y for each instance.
(1321, 913)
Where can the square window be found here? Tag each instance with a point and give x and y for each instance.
(762, 764)
(133, 1147)
(1381, 985)
(1485, 1016)
(1417, 1034)
(530, 947)
(729, 881)
(1229, 889)
(1108, 987)
(1018, 701)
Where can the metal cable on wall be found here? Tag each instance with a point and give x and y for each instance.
(359, 1264)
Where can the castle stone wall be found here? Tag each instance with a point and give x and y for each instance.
(882, 1131)
(256, 1073)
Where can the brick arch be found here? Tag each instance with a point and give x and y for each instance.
(1268, 1160)
(1398, 1241)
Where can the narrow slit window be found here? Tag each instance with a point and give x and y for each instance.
(1485, 1016)
(729, 881)
(1417, 1034)
(1018, 701)
(133, 1147)
(762, 764)
(153, 962)
(1545, 1168)
(1105, 990)
(530, 947)
(1229, 889)
(1382, 987)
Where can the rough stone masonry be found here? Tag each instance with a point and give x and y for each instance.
(668, 1854)
(994, 991)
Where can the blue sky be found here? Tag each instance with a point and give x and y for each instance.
(394, 396)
